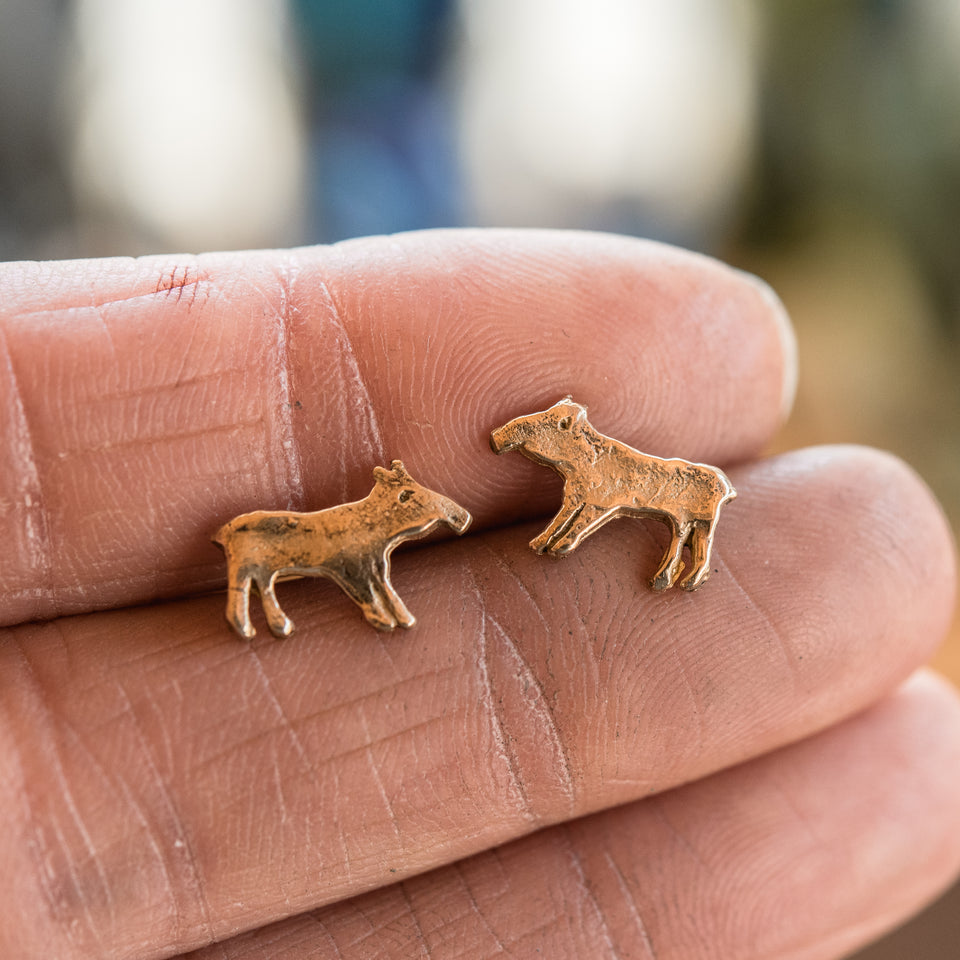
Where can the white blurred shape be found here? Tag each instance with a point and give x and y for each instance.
(939, 38)
(186, 121)
(568, 103)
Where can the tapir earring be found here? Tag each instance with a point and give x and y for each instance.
(350, 543)
(605, 479)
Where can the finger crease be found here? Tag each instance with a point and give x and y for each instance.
(28, 490)
(355, 394)
(287, 398)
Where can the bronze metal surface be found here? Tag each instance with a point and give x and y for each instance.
(350, 544)
(605, 479)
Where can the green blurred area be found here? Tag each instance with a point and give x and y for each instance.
(854, 218)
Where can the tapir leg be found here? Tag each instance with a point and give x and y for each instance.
(279, 623)
(701, 543)
(672, 560)
(394, 604)
(585, 522)
(238, 600)
(569, 511)
(362, 590)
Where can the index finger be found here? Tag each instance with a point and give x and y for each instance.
(142, 403)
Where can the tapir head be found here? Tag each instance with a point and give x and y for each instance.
(545, 435)
(416, 506)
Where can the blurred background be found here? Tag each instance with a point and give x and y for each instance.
(814, 142)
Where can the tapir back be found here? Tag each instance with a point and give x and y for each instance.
(646, 484)
(288, 541)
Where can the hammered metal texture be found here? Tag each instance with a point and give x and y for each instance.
(605, 479)
(350, 544)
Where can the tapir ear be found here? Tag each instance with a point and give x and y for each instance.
(399, 470)
(381, 475)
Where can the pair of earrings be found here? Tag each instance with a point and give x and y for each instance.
(351, 543)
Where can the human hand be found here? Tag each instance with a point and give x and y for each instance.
(736, 773)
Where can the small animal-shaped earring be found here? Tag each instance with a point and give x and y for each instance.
(350, 543)
(605, 479)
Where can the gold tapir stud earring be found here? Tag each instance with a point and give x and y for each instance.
(350, 544)
(605, 479)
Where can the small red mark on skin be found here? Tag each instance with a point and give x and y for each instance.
(176, 279)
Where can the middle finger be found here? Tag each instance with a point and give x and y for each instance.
(204, 785)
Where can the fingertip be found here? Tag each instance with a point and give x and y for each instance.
(895, 533)
(912, 532)
(931, 705)
(919, 726)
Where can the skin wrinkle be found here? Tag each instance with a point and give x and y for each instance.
(548, 703)
(475, 907)
(191, 650)
(522, 589)
(697, 708)
(817, 841)
(282, 405)
(178, 381)
(345, 859)
(288, 727)
(362, 409)
(108, 332)
(268, 948)
(631, 903)
(205, 282)
(330, 762)
(163, 860)
(284, 817)
(167, 747)
(29, 488)
(146, 297)
(573, 855)
(148, 441)
(140, 814)
(169, 285)
(160, 389)
(180, 839)
(412, 913)
(488, 701)
(789, 654)
(398, 677)
(376, 694)
(546, 925)
(547, 720)
(316, 921)
(374, 924)
(288, 392)
(378, 781)
(330, 711)
(34, 823)
(495, 855)
(658, 806)
(195, 279)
